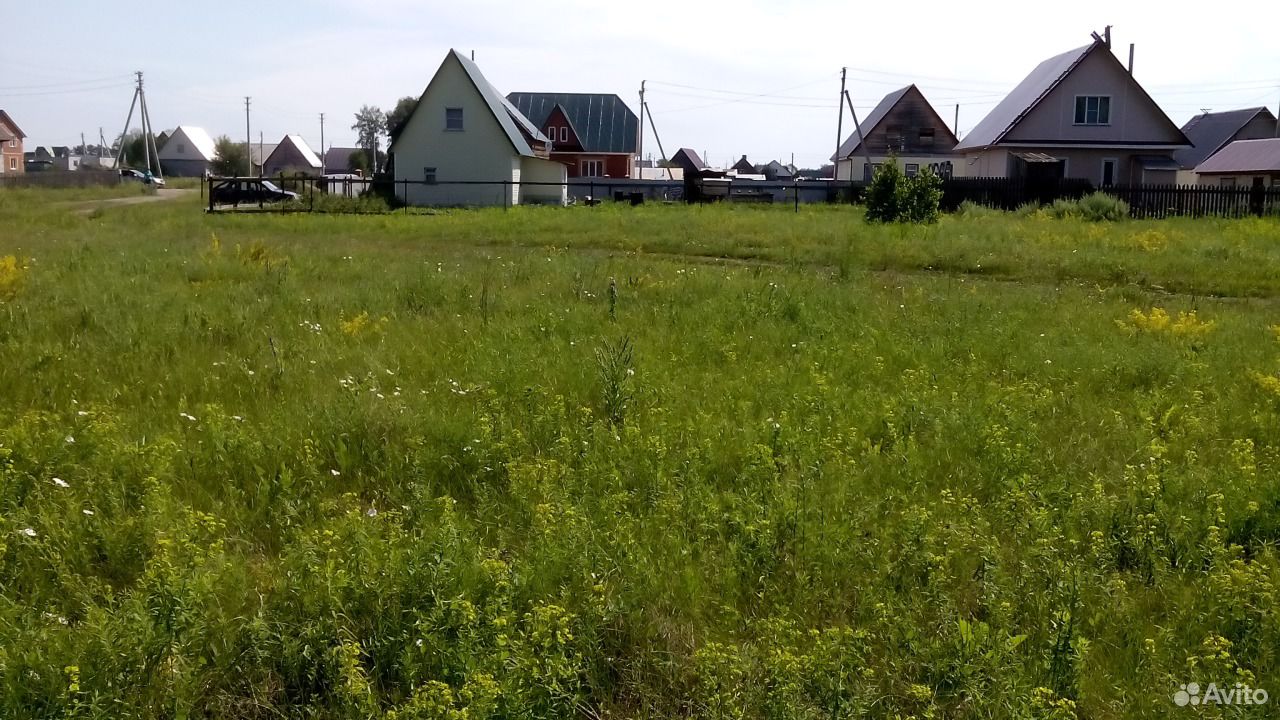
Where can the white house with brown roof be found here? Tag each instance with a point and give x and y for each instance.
(466, 144)
(1081, 115)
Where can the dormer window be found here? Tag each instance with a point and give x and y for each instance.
(1093, 110)
(926, 136)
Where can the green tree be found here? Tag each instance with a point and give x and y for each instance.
(358, 161)
(230, 159)
(922, 197)
(885, 195)
(370, 126)
(400, 115)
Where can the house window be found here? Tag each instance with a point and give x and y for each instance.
(1227, 182)
(453, 119)
(592, 168)
(13, 163)
(564, 134)
(429, 175)
(182, 149)
(1108, 172)
(926, 136)
(1093, 110)
(551, 134)
(13, 143)
(913, 169)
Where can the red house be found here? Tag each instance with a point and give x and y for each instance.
(11, 137)
(594, 135)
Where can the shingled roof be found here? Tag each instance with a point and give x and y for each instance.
(603, 123)
(1212, 131)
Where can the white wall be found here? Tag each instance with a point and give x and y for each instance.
(543, 171)
(856, 164)
(480, 152)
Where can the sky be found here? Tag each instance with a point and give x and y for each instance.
(747, 77)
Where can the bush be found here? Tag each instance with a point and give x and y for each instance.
(884, 196)
(893, 197)
(1095, 207)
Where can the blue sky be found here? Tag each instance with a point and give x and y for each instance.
(750, 77)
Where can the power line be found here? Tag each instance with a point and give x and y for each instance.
(54, 85)
(74, 91)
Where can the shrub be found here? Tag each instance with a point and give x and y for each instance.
(884, 196)
(893, 197)
(1095, 207)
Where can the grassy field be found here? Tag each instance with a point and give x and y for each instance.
(634, 463)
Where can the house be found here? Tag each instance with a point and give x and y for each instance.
(903, 125)
(744, 167)
(1210, 132)
(1243, 163)
(338, 159)
(1082, 115)
(11, 153)
(465, 144)
(189, 151)
(258, 154)
(593, 135)
(777, 172)
(688, 161)
(291, 156)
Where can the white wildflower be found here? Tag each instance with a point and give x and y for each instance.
(60, 482)
(29, 532)
(335, 473)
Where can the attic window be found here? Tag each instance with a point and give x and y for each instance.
(564, 134)
(453, 119)
(182, 149)
(1093, 110)
(926, 136)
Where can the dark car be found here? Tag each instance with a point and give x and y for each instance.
(235, 192)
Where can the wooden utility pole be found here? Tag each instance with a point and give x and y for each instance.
(866, 151)
(640, 147)
(148, 140)
(955, 129)
(835, 172)
(323, 169)
(657, 137)
(248, 138)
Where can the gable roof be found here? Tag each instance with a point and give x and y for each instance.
(1023, 98)
(744, 166)
(1245, 156)
(870, 122)
(690, 158)
(339, 157)
(516, 126)
(1034, 88)
(296, 141)
(1210, 132)
(603, 122)
(198, 139)
(259, 152)
(4, 116)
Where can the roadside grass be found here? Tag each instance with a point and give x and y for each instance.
(305, 466)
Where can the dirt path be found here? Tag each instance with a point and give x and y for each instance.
(88, 206)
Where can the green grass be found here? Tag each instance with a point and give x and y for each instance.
(355, 466)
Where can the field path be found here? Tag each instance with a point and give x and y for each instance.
(87, 206)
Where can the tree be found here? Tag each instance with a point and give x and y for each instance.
(370, 126)
(884, 196)
(135, 152)
(230, 159)
(358, 161)
(400, 115)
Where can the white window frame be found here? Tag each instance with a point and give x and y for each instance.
(1086, 123)
(462, 124)
(911, 169)
(429, 175)
(595, 163)
(13, 163)
(564, 133)
(1115, 171)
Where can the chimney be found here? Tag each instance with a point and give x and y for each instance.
(1130, 58)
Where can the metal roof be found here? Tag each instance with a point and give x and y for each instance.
(1245, 156)
(691, 155)
(200, 141)
(1024, 97)
(603, 122)
(303, 149)
(1156, 162)
(339, 157)
(259, 152)
(1211, 131)
(508, 116)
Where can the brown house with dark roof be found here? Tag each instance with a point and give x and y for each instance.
(905, 126)
(11, 137)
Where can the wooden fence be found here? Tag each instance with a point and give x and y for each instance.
(1145, 201)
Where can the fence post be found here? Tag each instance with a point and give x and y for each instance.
(406, 196)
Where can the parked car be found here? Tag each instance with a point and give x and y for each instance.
(146, 178)
(234, 192)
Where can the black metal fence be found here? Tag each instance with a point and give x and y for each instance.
(370, 195)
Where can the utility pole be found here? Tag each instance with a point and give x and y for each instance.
(670, 175)
(955, 129)
(835, 172)
(1278, 121)
(84, 148)
(146, 126)
(148, 140)
(248, 138)
(323, 170)
(640, 149)
(866, 151)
